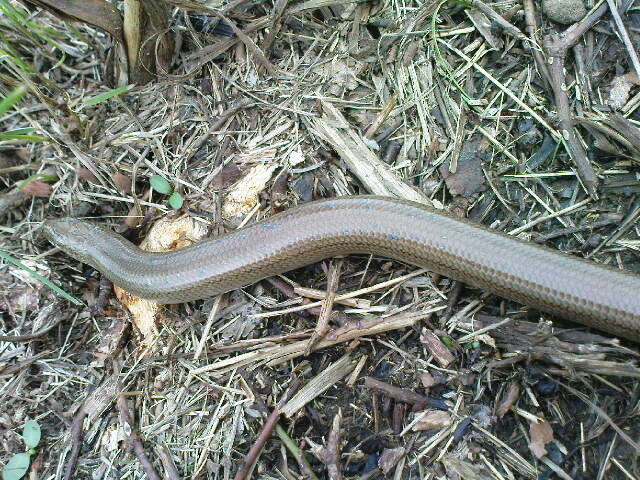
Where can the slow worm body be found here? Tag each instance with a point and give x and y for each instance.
(563, 285)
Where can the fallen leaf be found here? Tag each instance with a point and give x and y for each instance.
(458, 469)
(509, 399)
(18, 297)
(621, 89)
(85, 174)
(226, 177)
(427, 380)
(541, 433)
(99, 13)
(123, 182)
(389, 458)
(468, 178)
(37, 188)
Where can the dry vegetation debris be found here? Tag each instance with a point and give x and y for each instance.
(487, 110)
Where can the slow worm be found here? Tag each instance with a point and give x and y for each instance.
(569, 287)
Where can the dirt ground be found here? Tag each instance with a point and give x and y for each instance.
(228, 113)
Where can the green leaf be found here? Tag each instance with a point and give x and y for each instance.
(448, 341)
(101, 97)
(160, 184)
(16, 467)
(40, 278)
(10, 100)
(175, 200)
(31, 434)
(20, 138)
(20, 134)
(18, 131)
(37, 176)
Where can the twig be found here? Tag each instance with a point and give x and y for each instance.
(76, 442)
(557, 52)
(297, 453)
(14, 369)
(499, 20)
(289, 292)
(437, 348)
(557, 46)
(322, 326)
(625, 36)
(170, 469)
(216, 126)
(105, 289)
(532, 28)
(397, 417)
(218, 305)
(399, 394)
(330, 454)
(250, 44)
(134, 442)
(391, 152)
(28, 338)
(277, 12)
(265, 433)
(374, 174)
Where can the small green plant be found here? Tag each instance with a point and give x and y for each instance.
(18, 465)
(19, 134)
(162, 186)
(101, 97)
(43, 177)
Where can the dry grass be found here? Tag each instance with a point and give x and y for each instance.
(319, 99)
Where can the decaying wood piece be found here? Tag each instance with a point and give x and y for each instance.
(375, 175)
(573, 350)
(556, 48)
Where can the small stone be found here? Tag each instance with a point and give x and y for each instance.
(564, 11)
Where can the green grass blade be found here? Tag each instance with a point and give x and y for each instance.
(10, 100)
(40, 278)
(107, 95)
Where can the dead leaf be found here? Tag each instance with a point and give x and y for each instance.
(621, 89)
(468, 178)
(99, 13)
(123, 182)
(459, 469)
(437, 348)
(37, 188)
(541, 433)
(85, 174)
(342, 73)
(226, 177)
(18, 297)
(427, 380)
(390, 457)
(509, 399)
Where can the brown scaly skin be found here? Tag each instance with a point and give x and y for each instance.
(569, 287)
